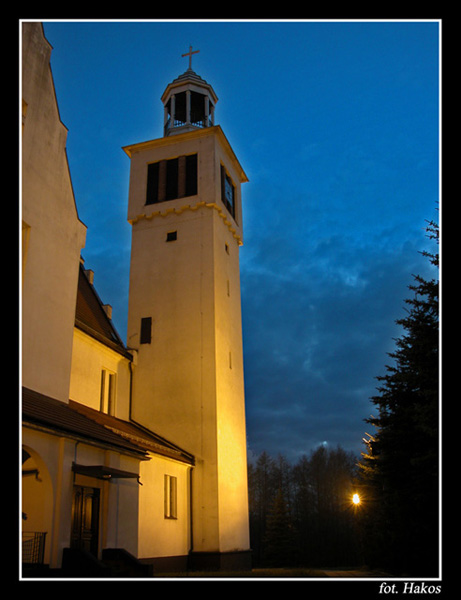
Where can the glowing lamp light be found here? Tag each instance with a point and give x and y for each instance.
(356, 499)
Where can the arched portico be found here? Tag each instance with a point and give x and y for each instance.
(37, 508)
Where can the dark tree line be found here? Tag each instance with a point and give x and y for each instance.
(400, 470)
(302, 514)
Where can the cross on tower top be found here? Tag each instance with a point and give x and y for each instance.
(189, 54)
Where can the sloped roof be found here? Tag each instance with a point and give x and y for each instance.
(47, 412)
(75, 419)
(134, 432)
(91, 317)
(189, 76)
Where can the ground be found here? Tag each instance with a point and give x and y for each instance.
(286, 573)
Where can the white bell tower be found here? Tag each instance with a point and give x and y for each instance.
(184, 316)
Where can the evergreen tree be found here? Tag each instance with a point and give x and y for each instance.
(400, 469)
(261, 493)
(279, 547)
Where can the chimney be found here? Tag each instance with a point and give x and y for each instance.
(90, 275)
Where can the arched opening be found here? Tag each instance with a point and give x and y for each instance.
(189, 108)
(37, 509)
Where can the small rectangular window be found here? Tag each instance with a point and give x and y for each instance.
(170, 497)
(146, 330)
(171, 236)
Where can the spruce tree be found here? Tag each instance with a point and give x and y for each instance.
(400, 469)
(279, 548)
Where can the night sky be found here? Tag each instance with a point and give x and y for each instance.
(337, 126)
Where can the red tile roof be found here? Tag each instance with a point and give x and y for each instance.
(74, 419)
(58, 416)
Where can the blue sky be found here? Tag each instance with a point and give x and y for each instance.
(337, 127)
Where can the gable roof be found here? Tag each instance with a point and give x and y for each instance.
(92, 318)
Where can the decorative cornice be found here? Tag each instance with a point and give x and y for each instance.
(189, 135)
(193, 207)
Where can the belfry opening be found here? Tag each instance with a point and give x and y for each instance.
(188, 108)
(189, 102)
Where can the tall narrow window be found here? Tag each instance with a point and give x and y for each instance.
(107, 392)
(25, 243)
(170, 497)
(153, 179)
(102, 390)
(227, 192)
(146, 330)
(171, 179)
(191, 175)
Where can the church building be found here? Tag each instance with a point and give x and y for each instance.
(133, 454)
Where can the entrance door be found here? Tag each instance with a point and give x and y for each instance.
(85, 519)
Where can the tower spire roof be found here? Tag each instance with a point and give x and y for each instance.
(189, 101)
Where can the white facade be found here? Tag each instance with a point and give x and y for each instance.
(50, 263)
(189, 377)
(139, 448)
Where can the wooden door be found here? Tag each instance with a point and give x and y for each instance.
(85, 519)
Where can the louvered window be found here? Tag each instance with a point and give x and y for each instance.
(171, 179)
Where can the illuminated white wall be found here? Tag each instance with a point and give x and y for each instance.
(53, 236)
(188, 383)
(89, 358)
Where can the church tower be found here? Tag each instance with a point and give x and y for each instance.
(184, 316)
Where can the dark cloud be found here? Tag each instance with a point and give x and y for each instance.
(341, 153)
(318, 323)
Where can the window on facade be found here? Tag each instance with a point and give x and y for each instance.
(24, 112)
(171, 236)
(227, 192)
(170, 497)
(171, 179)
(25, 243)
(191, 175)
(107, 392)
(146, 330)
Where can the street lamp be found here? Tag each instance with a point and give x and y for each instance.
(356, 499)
